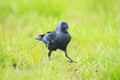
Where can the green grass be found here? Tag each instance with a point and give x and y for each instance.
(95, 45)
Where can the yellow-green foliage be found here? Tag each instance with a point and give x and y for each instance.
(95, 46)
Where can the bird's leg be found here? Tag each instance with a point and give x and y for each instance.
(49, 54)
(68, 56)
(47, 44)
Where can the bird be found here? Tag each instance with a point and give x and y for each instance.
(57, 39)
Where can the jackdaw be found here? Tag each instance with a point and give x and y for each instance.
(58, 39)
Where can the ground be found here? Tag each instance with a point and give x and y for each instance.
(95, 45)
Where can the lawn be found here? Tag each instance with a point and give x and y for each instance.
(95, 46)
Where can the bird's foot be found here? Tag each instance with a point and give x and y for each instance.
(71, 61)
(49, 58)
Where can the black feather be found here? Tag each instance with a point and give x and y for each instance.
(58, 39)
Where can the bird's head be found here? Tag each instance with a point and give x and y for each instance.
(62, 27)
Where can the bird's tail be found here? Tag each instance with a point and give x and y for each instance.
(39, 37)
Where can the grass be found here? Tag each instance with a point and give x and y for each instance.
(95, 45)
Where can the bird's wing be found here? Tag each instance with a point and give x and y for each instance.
(51, 36)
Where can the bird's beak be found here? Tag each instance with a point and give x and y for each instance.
(66, 30)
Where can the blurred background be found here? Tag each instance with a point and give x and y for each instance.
(95, 46)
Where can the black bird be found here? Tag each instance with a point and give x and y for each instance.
(58, 39)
